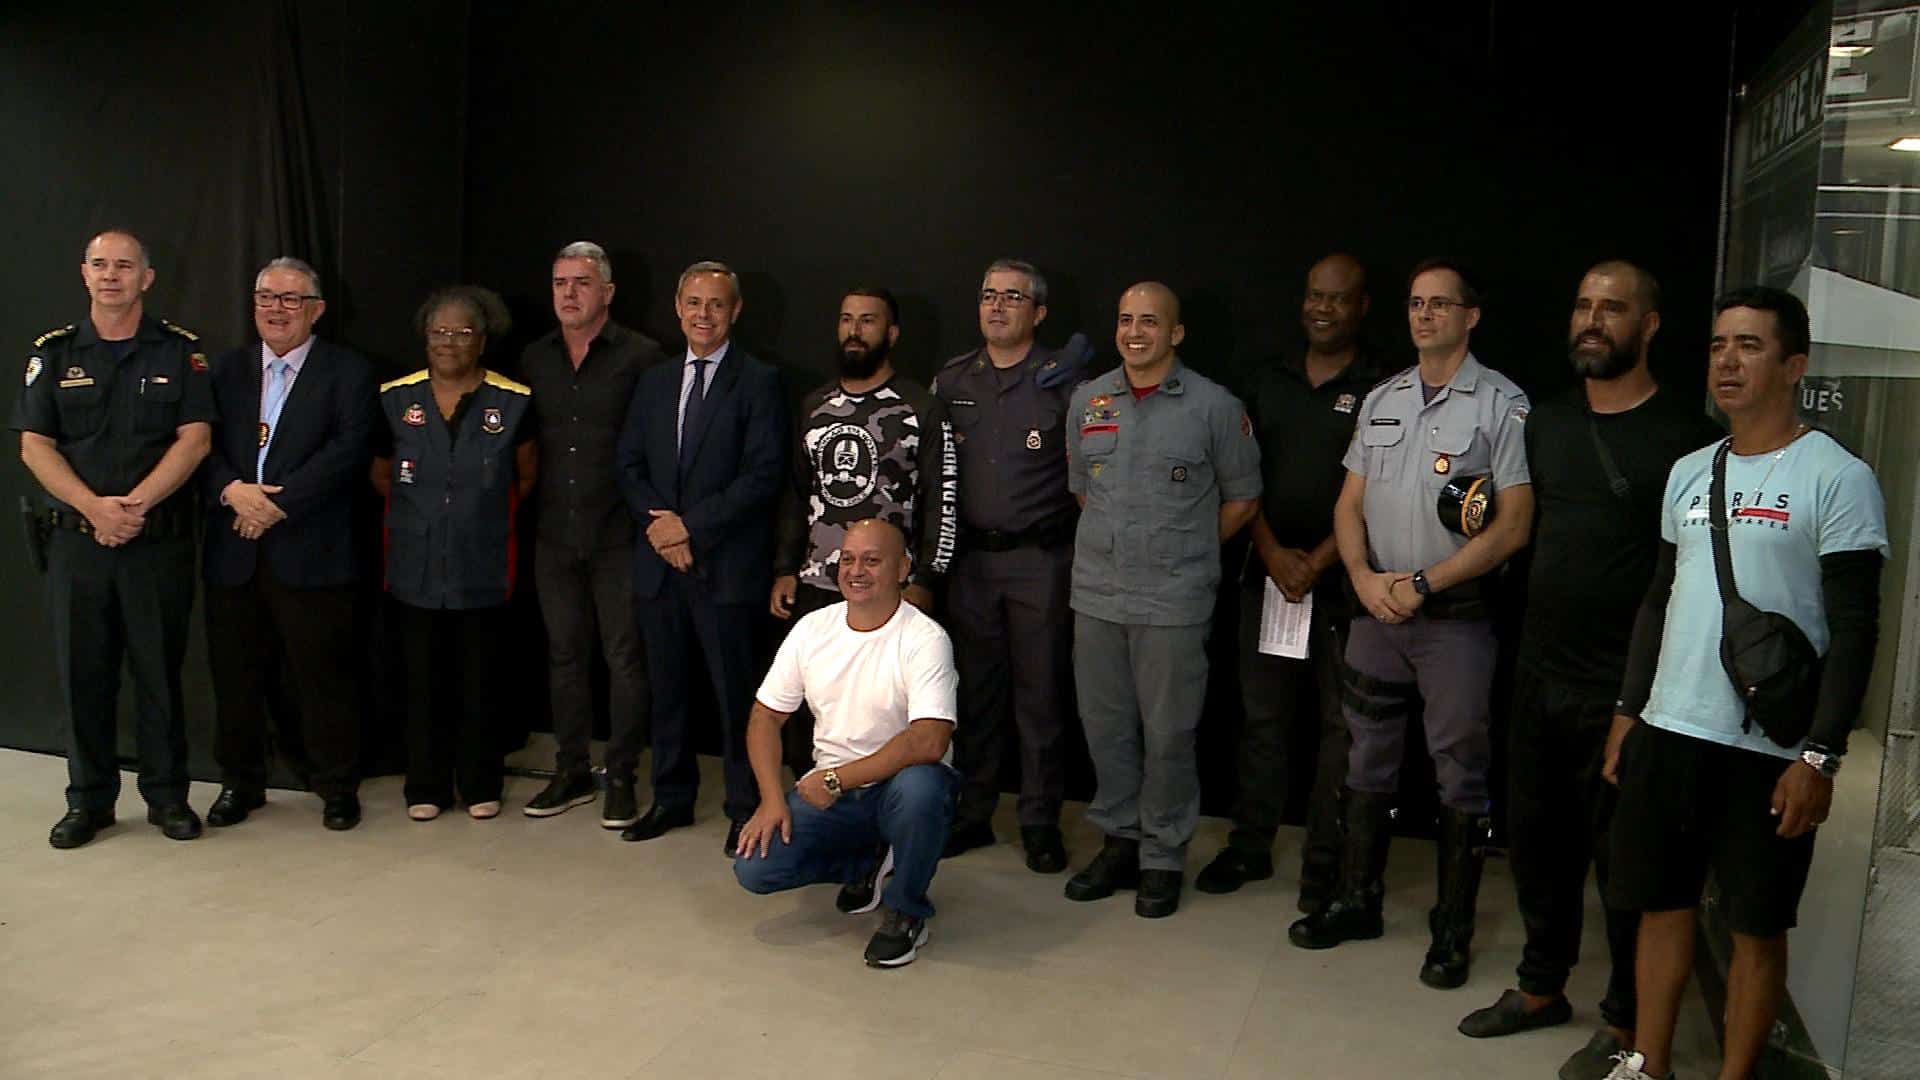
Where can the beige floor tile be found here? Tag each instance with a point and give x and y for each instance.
(982, 1066)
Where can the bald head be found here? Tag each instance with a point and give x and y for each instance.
(1157, 295)
(884, 534)
(1147, 331)
(1335, 304)
(873, 566)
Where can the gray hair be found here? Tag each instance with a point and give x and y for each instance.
(709, 266)
(593, 253)
(298, 266)
(1036, 285)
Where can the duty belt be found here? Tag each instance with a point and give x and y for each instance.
(1047, 534)
(165, 523)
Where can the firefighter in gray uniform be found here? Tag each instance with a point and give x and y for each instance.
(1165, 466)
(1007, 596)
(1424, 631)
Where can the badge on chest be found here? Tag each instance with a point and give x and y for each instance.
(415, 416)
(404, 471)
(492, 422)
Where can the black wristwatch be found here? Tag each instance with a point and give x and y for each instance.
(1420, 583)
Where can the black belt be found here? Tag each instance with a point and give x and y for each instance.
(163, 524)
(1046, 534)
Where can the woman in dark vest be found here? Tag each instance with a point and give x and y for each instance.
(460, 456)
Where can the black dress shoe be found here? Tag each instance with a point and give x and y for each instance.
(733, 838)
(1116, 867)
(341, 812)
(966, 836)
(176, 822)
(1233, 868)
(233, 805)
(656, 821)
(78, 827)
(1158, 895)
(1046, 854)
(1510, 1015)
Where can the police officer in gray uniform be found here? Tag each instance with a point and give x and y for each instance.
(1007, 596)
(1165, 466)
(1425, 629)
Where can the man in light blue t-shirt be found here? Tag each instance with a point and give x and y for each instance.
(1701, 789)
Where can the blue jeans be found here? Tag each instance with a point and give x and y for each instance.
(910, 812)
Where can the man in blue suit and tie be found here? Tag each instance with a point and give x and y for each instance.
(701, 462)
(289, 453)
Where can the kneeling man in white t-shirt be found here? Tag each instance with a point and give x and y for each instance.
(874, 811)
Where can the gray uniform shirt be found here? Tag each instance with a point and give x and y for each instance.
(1154, 473)
(1408, 448)
(1011, 433)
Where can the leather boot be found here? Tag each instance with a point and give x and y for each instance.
(1354, 914)
(1462, 844)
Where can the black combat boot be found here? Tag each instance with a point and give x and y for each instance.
(1354, 914)
(1462, 844)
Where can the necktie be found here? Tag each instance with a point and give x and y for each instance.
(278, 376)
(690, 420)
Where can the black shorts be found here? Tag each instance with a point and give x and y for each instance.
(1688, 806)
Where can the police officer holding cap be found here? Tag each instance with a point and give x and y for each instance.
(1007, 598)
(117, 413)
(1437, 495)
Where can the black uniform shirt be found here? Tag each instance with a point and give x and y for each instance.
(113, 419)
(1303, 434)
(1010, 427)
(581, 413)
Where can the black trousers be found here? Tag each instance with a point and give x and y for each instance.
(456, 662)
(128, 603)
(587, 596)
(677, 621)
(1292, 711)
(257, 631)
(796, 739)
(1561, 811)
(1012, 632)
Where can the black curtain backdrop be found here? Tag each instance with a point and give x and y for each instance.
(399, 147)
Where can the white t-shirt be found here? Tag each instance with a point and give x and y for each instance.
(864, 687)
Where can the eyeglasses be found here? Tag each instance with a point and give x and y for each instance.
(1437, 306)
(462, 335)
(289, 300)
(1009, 297)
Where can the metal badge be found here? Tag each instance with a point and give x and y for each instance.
(416, 415)
(76, 372)
(1443, 464)
(264, 432)
(1345, 403)
(1033, 438)
(1179, 474)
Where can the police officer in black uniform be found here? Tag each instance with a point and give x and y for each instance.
(116, 415)
(1007, 601)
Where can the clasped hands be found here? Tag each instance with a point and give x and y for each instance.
(1388, 597)
(254, 512)
(669, 537)
(116, 519)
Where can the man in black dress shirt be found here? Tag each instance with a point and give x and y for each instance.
(583, 375)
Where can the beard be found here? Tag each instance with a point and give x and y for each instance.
(1616, 361)
(861, 363)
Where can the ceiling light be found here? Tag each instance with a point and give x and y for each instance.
(1848, 52)
(1908, 145)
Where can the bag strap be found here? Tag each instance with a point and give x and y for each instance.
(1621, 489)
(1717, 522)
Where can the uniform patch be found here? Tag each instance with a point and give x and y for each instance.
(34, 367)
(406, 471)
(1519, 414)
(492, 422)
(416, 415)
(963, 401)
(198, 361)
(74, 383)
(1443, 464)
(1098, 401)
(1033, 438)
(1096, 429)
(1345, 403)
(159, 380)
(76, 372)
(1246, 426)
(1179, 474)
(1384, 421)
(1095, 468)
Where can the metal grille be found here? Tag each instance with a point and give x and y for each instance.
(1883, 1039)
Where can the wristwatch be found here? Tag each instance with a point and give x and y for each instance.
(1420, 583)
(1820, 761)
(831, 780)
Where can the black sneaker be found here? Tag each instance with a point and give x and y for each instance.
(1594, 1060)
(897, 941)
(860, 897)
(965, 837)
(620, 810)
(564, 792)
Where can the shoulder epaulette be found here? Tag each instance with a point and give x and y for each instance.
(56, 332)
(494, 378)
(181, 330)
(961, 359)
(404, 380)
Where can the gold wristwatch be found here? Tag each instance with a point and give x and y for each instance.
(831, 779)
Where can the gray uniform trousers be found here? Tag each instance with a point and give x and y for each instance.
(1448, 664)
(1141, 692)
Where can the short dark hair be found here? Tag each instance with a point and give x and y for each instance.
(488, 310)
(1790, 320)
(1646, 286)
(146, 258)
(1469, 295)
(878, 293)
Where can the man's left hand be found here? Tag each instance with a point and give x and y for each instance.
(666, 530)
(1801, 800)
(919, 596)
(813, 788)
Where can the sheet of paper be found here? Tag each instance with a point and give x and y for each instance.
(1284, 624)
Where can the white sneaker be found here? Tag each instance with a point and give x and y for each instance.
(1628, 1067)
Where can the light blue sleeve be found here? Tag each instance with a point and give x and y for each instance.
(1853, 515)
(1670, 509)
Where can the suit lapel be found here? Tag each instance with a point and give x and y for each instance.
(719, 394)
(294, 412)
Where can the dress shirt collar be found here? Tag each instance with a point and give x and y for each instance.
(718, 355)
(294, 358)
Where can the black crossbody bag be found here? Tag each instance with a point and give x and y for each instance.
(1774, 668)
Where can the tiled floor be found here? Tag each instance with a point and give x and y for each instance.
(523, 948)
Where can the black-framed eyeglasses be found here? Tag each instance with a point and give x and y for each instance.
(289, 300)
(1437, 306)
(461, 334)
(1009, 297)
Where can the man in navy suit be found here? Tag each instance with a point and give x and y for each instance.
(290, 452)
(701, 462)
